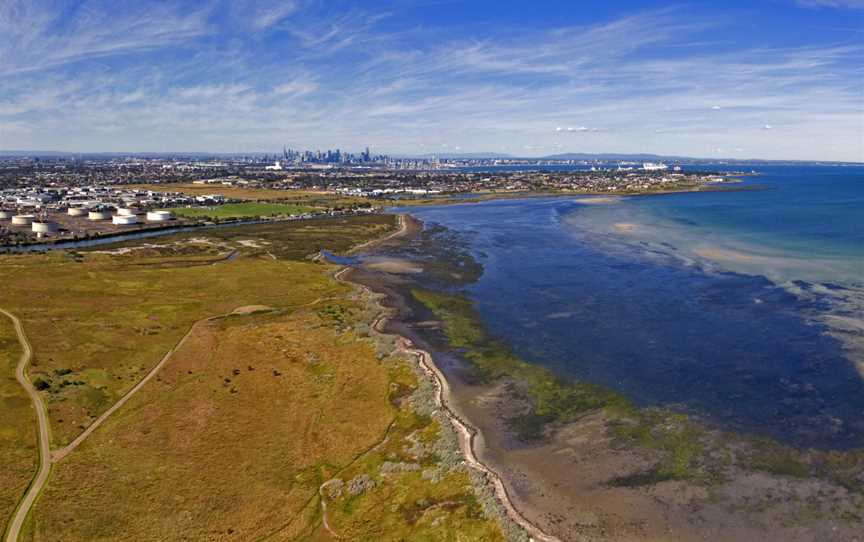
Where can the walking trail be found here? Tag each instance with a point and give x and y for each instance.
(38, 482)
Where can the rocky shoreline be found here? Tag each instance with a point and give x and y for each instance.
(467, 435)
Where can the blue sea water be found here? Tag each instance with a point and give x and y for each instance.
(744, 308)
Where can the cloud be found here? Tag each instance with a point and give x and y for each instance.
(836, 4)
(311, 75)
(263, 14)
(38, 36)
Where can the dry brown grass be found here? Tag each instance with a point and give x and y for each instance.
(230, 442)
(18, 453)
(106, 321)
(234, 436)
(98, 322)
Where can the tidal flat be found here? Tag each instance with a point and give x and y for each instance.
(585, 460)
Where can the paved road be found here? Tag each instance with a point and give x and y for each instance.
(14, 527)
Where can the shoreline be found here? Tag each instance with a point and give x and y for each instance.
(467, 433)
(480, 197)
(577, 484)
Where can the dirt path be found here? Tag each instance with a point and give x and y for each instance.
(403, 227)
(465, 431)
(38, 482)
(63, 452)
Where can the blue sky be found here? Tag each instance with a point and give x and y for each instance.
(771, 79)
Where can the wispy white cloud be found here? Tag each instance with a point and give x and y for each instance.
(644, 82)
(38, 35)
(263, 14)
(842, 4)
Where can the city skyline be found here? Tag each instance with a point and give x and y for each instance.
(773, 80)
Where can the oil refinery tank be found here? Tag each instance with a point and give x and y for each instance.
(6, 215)
(124, 220)
(22, 220)
(76, 211)
(45, 227)
(159, 216)
(98, 215)
(126, 211)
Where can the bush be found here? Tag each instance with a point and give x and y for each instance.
(41, 384)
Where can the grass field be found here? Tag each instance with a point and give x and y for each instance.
(313, 198)
(235, 436)
(98, 321)
(242, 210)
(232, 192)
(18, 453)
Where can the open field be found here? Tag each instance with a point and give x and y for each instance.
(17, 425)
(242, 210)
(264, 408)
(233, 192)
(99, 321)
(284, 394)
(312, 198)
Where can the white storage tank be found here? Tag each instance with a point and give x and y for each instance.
(98, 215)
(159, 216)
(124, 220)
(76, 211)
(45, 227)
(126, 211)
(6, 215)
(22, 220)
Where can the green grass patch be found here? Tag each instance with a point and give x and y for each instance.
(242, 210)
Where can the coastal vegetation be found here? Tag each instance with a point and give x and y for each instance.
(276, 393)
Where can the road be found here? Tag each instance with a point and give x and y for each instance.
(38, 482)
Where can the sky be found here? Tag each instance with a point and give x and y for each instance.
(773, 79)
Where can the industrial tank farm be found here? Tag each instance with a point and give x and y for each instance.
(99, 215)
(80, 221)
(159, 216)
(42, 228)
(124, 220)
